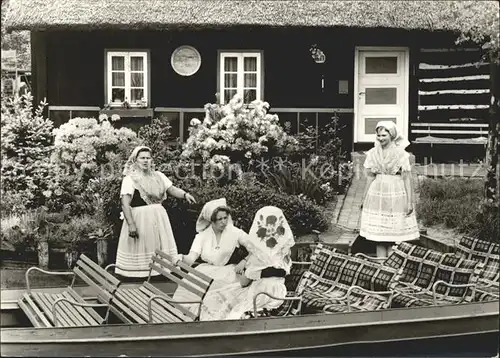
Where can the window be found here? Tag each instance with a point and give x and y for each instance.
(240, 72)
(127, 78)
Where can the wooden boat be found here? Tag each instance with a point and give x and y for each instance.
(452, 330)
(444, 329)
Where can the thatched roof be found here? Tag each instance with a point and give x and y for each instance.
(155, 14)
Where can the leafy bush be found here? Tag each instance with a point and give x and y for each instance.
(26, 144)
(457, 204)
(158, 137)
(237, 132)
(85, 146)
(245, 199)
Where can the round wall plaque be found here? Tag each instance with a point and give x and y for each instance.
(186, 60)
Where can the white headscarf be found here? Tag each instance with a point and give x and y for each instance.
(149, 183)
(269, 242)
(396, 137)
(208, 209)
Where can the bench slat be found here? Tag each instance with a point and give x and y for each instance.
(165, 314)
(35, 315)
(102, 295)
(179, 281)
(70, 311)
(188, 268)
(122, 307)
(175, 308)
(159, 314)
(133, 305)
(100, 271)
(48, 302)
(106, 286)
(187, 276)
(89, 313)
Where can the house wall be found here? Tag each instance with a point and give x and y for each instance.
(75, 66)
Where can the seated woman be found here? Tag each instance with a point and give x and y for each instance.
(218, 245)
(269, 243)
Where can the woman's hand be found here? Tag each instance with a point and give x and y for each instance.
(244, 281)
(178, 258)
(132, 231)
(408, 207)
(189, 198)
(240, 267)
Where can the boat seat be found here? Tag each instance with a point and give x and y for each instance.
(147, 304)
(435, 278)
(488, 253)
(67, 308)
(337, 282)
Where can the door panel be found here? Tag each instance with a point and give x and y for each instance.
(382, 86)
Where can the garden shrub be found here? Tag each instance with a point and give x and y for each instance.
(26, 144)
(245, 199)
(158, 137)
(237, 132)
(89, 147)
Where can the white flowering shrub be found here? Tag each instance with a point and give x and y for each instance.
(235, 133)
(26, 144)
(84, 145)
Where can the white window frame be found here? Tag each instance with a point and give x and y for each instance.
(127, 54)
(241, 55)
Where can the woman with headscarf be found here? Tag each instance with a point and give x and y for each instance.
(388, 213)
(269, 245)
(218, 244)
(146, 226)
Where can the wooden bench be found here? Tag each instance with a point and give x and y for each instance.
(435, 131)
(487, 253)
(337, 282)
(147, 304)
(68, 308)
(430, 277)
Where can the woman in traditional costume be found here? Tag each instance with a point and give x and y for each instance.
(268, 243)
(146, 226)
(388, 214)
(218, 244)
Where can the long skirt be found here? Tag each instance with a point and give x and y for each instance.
(232, 301)
(153, 227)
(222, 275)
(383, 217)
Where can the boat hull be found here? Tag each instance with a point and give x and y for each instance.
(362, 333)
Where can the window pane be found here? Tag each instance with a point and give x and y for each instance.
(381, 95)
(136, 63)
(250, 80)
(228, 94)
(249, 95)
(118, 94)
(381, 65)
(371, 123)
(137, 79)
(250, 64)
(230, 80)
(230, 64)
(136, 94)
(117, 63)
(118, 79)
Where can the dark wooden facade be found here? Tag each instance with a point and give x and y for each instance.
(69, 70)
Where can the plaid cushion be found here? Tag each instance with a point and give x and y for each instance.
(483, 251)
(327, 262)
(287, 308)
(456, 270)
(406, 299)
(296, 272)
(362, 303)
(486, 293)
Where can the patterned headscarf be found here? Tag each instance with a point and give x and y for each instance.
(269, 242)
(149, 183)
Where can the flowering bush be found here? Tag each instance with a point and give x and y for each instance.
(236, 134)
(85, 144)
(26, 144)
(158, 136)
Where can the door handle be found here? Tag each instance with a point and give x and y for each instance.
(361, 93)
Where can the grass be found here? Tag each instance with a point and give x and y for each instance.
(454, 203)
